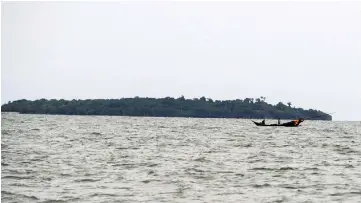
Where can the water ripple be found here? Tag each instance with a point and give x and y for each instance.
(127, 159)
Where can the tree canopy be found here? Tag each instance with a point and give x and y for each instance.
(165, 107)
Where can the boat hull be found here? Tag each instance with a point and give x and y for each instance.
(289, 124)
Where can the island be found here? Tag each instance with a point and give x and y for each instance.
(251, 108)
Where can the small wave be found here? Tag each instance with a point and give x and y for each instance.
(122, 148)
(18, 195)
(36, 129)
(349, 166)
(256, 160)
(124, 188)
(327, 130)
(311, 168)
(57, 200)
(87, 180)
(213, 127)
(197, 170)
(347, 193)
(262, 169)
(66, 199)
(103, 195)
(273, 169)
(19, 171)
(289, 186)
(127, 166)
(149, 180)
(279, 200)
(152, 165)
(47, 178)
(261, 185)
(35, 160)
(7, 193)
(200, 159)
(5, 132)
(18, 177)
(19, 184)
(209, 151)
(324, 163)
(89, 174)
(346, 149)
(287, 168)
(225, 172)
(203, 177)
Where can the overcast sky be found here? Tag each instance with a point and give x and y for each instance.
(308, 53)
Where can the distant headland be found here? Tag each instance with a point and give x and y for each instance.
(256, 108)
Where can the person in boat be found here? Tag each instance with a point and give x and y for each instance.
(279, 121)
(297, 122)
(293, 123)
(263, 122)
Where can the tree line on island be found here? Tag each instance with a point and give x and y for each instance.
(256, 108)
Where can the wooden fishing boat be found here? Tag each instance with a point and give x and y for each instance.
(294, 123)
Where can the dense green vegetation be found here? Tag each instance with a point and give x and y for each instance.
(165, 107)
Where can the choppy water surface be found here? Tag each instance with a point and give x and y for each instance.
(128, 159)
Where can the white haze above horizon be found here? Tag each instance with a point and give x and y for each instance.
(308, 53)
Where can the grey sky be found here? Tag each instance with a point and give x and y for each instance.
(308, 53)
